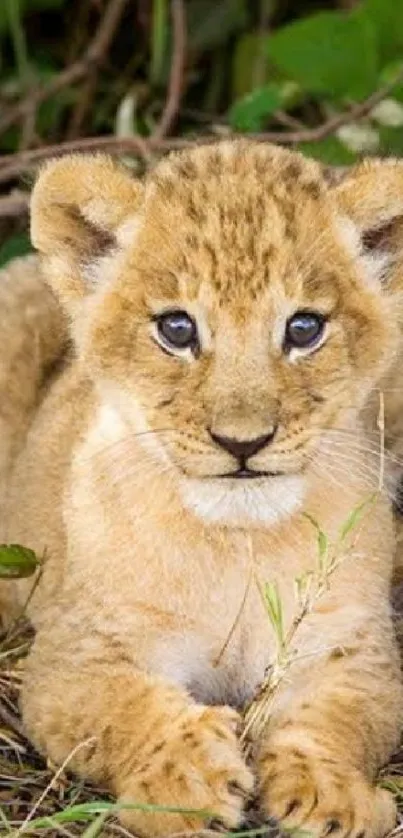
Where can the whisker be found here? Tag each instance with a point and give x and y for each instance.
(131, 436)
(369, 478)
(374, 449)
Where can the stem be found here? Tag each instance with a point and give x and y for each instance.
(13, 11)
(158, 39)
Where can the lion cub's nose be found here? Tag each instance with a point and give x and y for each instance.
(245, 448)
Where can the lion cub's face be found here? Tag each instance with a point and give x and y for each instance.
(238, 323)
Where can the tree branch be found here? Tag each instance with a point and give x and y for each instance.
(13, 165)
(13, 205)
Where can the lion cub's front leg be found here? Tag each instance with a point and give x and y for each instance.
(337, 721)
(135, 733)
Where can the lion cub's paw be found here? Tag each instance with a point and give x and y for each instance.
(317, 793)
(197, 766)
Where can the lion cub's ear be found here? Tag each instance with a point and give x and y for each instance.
(371, 197)
(81, 207)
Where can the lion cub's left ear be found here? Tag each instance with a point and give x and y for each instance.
(81, 207)
(370, 195)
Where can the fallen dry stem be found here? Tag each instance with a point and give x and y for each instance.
(310, 589)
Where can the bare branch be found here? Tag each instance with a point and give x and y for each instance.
(356, 112)
(14, 205)
(11, 720)
(13, 165)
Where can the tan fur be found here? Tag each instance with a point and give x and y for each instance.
(145, 613)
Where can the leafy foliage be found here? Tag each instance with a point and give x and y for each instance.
(330, 54)
(17, 562)
(242, 58)
(250, 67)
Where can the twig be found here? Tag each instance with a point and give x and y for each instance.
(87, 93)
(356, 112)
(28, 131)
(289, 121)
(11, 720)
(51, 784)
(219, 657)
(93, 57)
(175, 85)
(12, 165)
(14, 205)
(83, 105)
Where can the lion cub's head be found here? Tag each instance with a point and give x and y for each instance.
(233, 304)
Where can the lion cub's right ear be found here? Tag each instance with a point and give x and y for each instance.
(370, 195)
(80, 207)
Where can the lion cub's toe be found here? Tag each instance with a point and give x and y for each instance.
(198, 766)
(321, 795)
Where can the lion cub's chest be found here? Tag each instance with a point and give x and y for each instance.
(181, 597)
(222, 657)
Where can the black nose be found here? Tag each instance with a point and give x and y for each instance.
(242, 449)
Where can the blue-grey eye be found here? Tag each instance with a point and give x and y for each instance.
(304, 329)
(177, 329)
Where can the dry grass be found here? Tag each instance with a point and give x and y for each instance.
(38, 801)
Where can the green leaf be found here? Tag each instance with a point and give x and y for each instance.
(386, 17)
(250, 113)
(355, 516)
(84, 812)
(330, 151)
(303, 585)
(274, 608)
(17, 562)
(94, 829)
(322, 541)
(18, 245)
(392, 141)
(330, 53)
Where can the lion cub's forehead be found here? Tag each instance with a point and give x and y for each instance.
(234, 216)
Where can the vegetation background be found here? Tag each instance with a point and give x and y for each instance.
(136, 78)
(146, 75)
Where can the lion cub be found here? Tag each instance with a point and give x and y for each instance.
(230, 320)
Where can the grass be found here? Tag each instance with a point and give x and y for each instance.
(308, 588)
(38, 801)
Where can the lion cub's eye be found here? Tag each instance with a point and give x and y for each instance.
(177, 330)
(304, 329)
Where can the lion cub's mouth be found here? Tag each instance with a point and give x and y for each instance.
(248, 474)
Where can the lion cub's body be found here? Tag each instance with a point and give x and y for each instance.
(150, 606)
